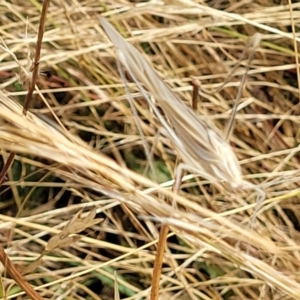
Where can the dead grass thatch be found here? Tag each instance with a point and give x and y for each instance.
(94, 158)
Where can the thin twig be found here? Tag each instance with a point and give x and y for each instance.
(35, 70)
(195, 95)
(6, 167)
(19, 279)
(162, 240)
(37, 56)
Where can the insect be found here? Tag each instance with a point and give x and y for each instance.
(201, 145)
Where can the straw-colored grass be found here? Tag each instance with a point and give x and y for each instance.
(97, 159)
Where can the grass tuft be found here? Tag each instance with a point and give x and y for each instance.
(80, 157)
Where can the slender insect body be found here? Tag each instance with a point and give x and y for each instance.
(202, 147)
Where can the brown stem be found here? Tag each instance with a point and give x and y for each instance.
(164, 230)
(37, 56)
(9, 266)
(35, 70)
(6, 167)
(195, 96)
(18, 278)
(162, 241)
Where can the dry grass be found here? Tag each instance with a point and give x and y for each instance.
(96, 158)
